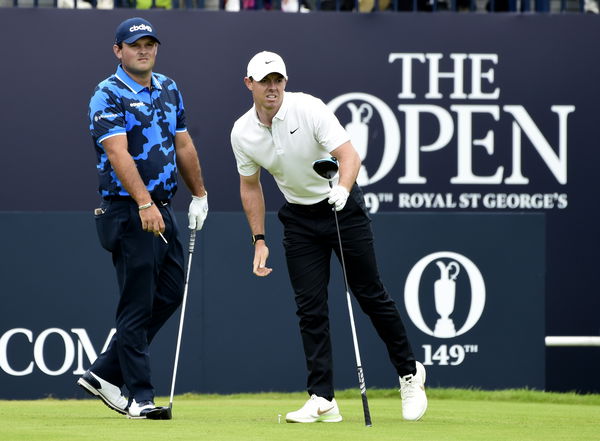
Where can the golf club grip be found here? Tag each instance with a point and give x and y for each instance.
(366, 411)
(192, 241)
(363, 393)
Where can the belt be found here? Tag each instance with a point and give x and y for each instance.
(130, 199)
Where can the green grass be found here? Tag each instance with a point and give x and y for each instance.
(453, 414)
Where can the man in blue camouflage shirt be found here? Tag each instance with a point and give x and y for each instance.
(137, 122)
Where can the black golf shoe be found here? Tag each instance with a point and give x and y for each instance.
(147, 410)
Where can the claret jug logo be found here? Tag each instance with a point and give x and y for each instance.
(447, 269)
(358, 129)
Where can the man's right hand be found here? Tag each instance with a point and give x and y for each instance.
(152, 220)
(261, 254)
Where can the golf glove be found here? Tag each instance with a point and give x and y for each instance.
(198, 211)
(338, 197)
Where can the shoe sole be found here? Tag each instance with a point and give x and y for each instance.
(335, 419)
(158, 413)
(94, 392)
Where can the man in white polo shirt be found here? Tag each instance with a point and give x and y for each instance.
(284, 133)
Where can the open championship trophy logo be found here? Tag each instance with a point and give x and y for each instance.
(359, 111)
(358, 129)
(444, 290)
(444, 293)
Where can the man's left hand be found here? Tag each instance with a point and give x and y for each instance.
(338, 197)
(198, 211)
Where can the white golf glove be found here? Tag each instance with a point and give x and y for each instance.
(338, 197)
(198, 211)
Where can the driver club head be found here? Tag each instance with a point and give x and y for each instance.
(326, 168)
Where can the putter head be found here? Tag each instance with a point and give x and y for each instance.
(326, 168)
(169, 413)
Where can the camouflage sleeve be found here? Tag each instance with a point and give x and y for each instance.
(107, 117)
(181, 124)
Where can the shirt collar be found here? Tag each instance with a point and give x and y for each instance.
(280, 115)
(133, 85)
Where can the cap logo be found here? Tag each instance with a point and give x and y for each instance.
(141, 27)
(268, 62)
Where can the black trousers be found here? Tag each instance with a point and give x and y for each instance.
(310, 236)
(150, 275)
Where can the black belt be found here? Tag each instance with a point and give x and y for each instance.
(130, 199)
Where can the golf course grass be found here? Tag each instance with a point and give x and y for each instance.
(453, 414)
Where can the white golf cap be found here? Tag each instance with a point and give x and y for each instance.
(264, 63)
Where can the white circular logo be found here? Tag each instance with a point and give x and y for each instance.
(444, 292)
(358, 129)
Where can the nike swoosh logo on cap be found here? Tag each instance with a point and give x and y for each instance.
(269, 62)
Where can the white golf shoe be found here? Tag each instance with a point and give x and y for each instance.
(315, 410)
(412, 392)
(109, 393)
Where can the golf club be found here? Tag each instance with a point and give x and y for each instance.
(185, 291)
(328, 168)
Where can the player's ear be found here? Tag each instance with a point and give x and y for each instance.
(117, 50)
(249, 82)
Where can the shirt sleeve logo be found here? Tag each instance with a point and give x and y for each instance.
(105, 116)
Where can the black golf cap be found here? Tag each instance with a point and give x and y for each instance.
(131, 30)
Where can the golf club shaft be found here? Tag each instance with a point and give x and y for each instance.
(361, 377)
(183, 304)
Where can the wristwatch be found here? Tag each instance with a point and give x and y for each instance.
(256, 237)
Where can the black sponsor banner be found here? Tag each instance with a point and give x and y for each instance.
(469, 288)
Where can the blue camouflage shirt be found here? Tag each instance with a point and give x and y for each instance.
(150, 119)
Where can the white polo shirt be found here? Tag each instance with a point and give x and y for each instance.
(303, 130)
